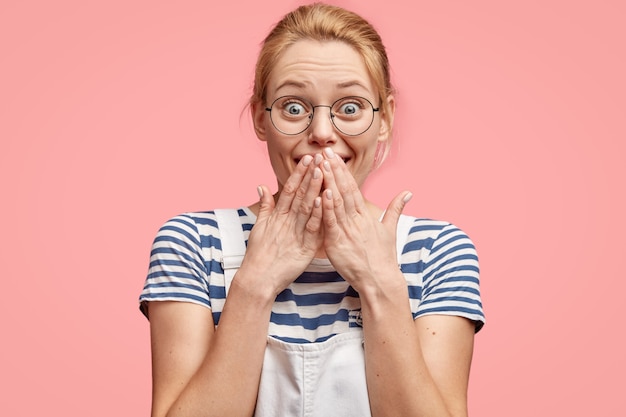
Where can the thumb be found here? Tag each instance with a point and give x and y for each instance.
(395, 207)
(266, 202)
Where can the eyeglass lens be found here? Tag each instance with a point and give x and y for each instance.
(292, 115)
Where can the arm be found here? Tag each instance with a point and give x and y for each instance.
(180, 334)
(413, 367)
(199, 371)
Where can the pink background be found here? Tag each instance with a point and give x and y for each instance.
(115, 117)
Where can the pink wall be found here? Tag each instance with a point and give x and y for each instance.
(115, 117)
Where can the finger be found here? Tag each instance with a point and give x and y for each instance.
(394, 209)
(290, 188)
(266, 202)
(313, 183)
(345, 183)
(313, 225)
(297, 203)
(329, 217)
(330, 184)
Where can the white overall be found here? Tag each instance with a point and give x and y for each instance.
(305, 379)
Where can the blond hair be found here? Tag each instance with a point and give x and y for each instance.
(323, 22)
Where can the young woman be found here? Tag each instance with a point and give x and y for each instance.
(313, 301)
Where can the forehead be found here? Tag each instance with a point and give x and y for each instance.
(310, 66)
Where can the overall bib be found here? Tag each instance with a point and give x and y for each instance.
(305, 379)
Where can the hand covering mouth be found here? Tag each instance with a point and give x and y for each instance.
(343, 158)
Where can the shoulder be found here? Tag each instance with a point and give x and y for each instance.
(431, 235)
(202, 223)
(445, 263)
(186, 229)
(201, 231)
(190, 220)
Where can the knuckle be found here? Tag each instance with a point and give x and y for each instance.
(349, 188)
(304, 209)
(331, 223)
(312, 227)
(289, 188)
(300, 192)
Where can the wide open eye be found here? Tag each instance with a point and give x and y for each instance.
(350, 107)
(352, 115)
(292, 107)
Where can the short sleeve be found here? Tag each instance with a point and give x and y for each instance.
(177, 271)
(450, 281)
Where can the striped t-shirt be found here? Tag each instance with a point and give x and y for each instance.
(438, 261)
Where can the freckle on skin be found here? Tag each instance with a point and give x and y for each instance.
(434, 333)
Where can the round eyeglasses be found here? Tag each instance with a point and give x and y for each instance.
(292, 115)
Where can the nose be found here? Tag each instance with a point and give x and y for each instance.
(322, 131)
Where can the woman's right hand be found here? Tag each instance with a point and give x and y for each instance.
(198, 368)
(287, 233)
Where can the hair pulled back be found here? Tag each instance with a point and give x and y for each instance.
(323, 22)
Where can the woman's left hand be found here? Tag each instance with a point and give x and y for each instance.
(360, 247)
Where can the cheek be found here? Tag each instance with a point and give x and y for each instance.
(367, 160)
(366, 149)
(278, 151)
(280, 160)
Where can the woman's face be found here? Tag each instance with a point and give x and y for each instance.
(321, 73)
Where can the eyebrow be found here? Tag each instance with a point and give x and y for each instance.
(348, 84)
(292, 83)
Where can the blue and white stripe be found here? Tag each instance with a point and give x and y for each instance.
(439, 262)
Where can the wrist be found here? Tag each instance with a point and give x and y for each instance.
(251, 285)
(384, 287)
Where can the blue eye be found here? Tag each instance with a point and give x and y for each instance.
(294, 109)
(349, 108)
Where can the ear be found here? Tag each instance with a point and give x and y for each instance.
(386, 120)
(259, 119)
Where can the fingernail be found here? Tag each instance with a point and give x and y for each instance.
(326, 166)
(329, 152)
(259, 190)
(317, 202)
(407, 197)
(318, 158)
(307, 160)
(317, 173)
(329, 194)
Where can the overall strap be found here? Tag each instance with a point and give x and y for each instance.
(233, 243)
(404, 227)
